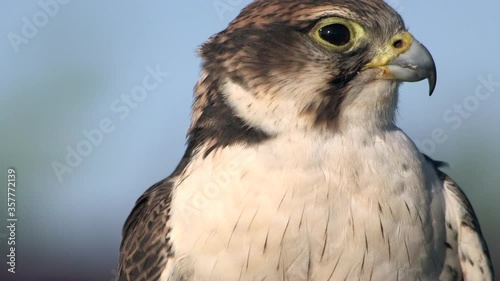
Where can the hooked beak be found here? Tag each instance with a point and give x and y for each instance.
(406, 59)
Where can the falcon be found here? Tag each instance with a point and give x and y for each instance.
(295, 169)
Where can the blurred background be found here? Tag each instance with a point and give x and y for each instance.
(95, 100)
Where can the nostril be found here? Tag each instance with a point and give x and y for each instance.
(398, 44)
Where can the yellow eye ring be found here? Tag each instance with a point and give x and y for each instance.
(337, 34)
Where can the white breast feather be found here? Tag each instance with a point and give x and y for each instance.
(291, 210)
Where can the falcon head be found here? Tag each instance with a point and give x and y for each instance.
(325, 65)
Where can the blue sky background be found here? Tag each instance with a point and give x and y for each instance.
(69, 74)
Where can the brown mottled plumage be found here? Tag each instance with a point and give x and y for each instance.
(145, 253)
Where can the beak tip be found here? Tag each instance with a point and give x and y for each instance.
(432, 82)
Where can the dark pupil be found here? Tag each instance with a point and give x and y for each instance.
(336, 34)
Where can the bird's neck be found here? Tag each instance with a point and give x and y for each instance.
(226, 113)
(215, 123)
(372, 108)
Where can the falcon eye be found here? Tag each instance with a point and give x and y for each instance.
(336, 34)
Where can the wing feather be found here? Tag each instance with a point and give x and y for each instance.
(145, 249)
(473, 253)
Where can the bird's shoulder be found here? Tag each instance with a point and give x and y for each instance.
(464, 231)
(145, 248)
